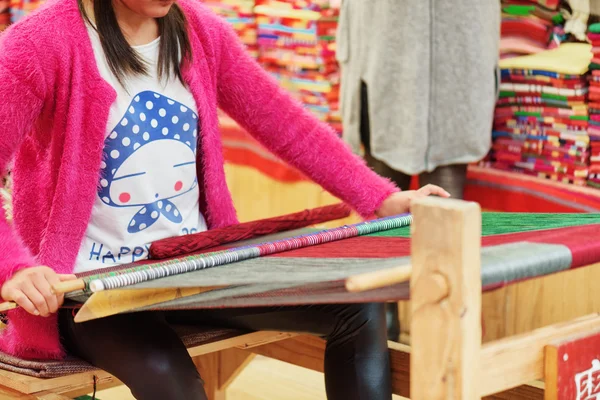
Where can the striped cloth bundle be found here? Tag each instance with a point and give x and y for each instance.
(530, 26)
(594, 106)
(541, 118)
(21, 8)
(12, 11)
(4, 14)
(240, 14)
(296, 41)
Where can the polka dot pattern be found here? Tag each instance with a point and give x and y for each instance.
(150, 117)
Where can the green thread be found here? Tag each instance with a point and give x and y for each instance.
(594, 28)
(593, 184)
(554, 97)
(528, 114)
(497, 223)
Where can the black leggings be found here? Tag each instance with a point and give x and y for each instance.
(143, 351)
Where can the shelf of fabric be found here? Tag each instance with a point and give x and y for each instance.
(529, 27)
(251, 168)
(296, 42)
(19, 9)
(4, 14)
(240, 14)
(542, 115)
(594, 106)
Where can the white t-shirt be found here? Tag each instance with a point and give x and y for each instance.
(149, 188)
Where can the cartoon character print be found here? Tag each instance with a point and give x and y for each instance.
(152, 146)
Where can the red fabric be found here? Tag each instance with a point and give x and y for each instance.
(536, 30)
(188, 244)
(581, 240)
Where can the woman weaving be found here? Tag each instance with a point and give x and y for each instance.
(110, 110)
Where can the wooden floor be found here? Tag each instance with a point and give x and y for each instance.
(263, 379)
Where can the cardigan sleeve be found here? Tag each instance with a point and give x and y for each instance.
(21, 88)
(256, 101)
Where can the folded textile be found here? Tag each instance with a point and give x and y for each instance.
(529, 28)
(569, 58)
(191, 337)
(4, 14)
(240, 14)
(296, 42)
(542, 117)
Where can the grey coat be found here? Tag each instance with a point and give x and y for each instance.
(431, 71)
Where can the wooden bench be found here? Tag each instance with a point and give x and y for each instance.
(219, 363)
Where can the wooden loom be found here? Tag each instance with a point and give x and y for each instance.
(446, 358)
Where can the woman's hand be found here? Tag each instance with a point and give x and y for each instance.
(399, 203)
(31, 289)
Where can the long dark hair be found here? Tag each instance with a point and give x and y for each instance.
(123, 60)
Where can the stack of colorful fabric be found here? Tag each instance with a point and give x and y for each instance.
(594, 106)
(541, 119)
(296, 40)
(530, 26)
(4, 14)
(240, 14)
(21, 8)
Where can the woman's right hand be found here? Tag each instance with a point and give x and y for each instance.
(31, 289)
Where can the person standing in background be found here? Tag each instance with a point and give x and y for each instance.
(419, 82)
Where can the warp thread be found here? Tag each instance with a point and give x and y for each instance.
(138, 274)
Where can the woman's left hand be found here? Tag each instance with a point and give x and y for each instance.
(399, 203)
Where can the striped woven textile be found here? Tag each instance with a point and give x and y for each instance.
(187, 244)
(515, 247)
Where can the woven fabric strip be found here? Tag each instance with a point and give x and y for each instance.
(581, 240)
(188, 244)
(507, 263)
(322, 280)
(271, 270)
(177, 266)
(319, 293)
(569, 248)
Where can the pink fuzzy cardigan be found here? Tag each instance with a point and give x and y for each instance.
(53, 116)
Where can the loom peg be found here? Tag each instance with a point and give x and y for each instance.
(8, 305)
(378, 279)
(69, 286)
(59, 288)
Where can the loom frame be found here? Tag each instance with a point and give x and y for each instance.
(446, 358)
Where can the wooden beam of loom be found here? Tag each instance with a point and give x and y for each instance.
(509, 365)
(445, 292)
(516, 360)
(110, 302)
(307, 352)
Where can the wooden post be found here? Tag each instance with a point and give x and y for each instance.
(208, 366)
(446, 300)
(219, 369)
